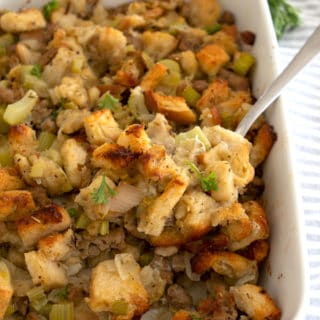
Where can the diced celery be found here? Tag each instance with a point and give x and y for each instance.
(194, 133)
(83, 221)
(191, 96)
(45, 140)
(3, 51)
(120, 307)
(54, 155)
(37, 170)
(38, 85)
(37, 298)
(5, 155)
(10, 310)
(242, 63)
(17, 112)
(147, 60)
(77, 65)
(63, 311)
(137, 106)
(146, 258)
(214, 28)
(104, 228)
(4, 127)
(171, 65)
(6, 40)
(73, 212)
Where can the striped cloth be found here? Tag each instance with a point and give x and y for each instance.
(302, 98)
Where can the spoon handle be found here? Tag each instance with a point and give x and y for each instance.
(304, 56)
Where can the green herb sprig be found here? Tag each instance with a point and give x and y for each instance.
(208, 182)
(99, 195)
(108, 102)
(285, 17)
(49, 8)
(36, 71)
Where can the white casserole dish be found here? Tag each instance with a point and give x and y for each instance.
(285, 274)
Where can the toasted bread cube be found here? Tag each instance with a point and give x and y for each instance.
(57, 246)
(44, 271)
(153, 220)
(71, 120)
(10, 179)
(173, 107)
(211, 58)
(255, 302)
(107, 287)
(26, 20)
(129, 73)
(203, 13)
(15, 204)
(111, 156)
(153, 77)
(218, 91)
(101, 127)
(135, 138)
(42, 222)
(235, 267)
(22, 139)
(74, 158)
(6, 289)
(158, 44)
(262, 144)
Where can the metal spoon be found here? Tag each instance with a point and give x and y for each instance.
(310, 49)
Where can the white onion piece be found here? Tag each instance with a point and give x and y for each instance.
(126, 198)
(157, 314)
(191, 275)
(126, 266)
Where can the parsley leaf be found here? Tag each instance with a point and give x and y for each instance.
(99, 195)
(284, 16)
(73, 212)
(49, 7)
(108, 102)
(208, 182)
(214, 28)
(36, 70)
(56, 112)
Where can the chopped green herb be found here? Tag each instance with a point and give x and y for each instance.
(213, 29)
(99, 195)
(36, 70)
(207, 183)
(108, 102)
(56, 112)
(63, 293)
(73, 212)
(284, 15)
(49, 7)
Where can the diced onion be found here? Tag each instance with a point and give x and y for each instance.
(126, 266)
(191, 275)
(157, 314)
(127, 197)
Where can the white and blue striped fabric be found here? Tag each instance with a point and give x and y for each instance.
(303, 102)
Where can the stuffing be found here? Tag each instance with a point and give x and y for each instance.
(72, 120)
(23, 166)
(238, 154)
(10, 179)
(15, 204)
(94, 210)
(156, 165)
(217, 92)
(188, 62)
(152, 78)
(262, 145)
(203, 13)
(225, 40)
(111, 45)
(42, 222)
(135, 138)
(212, 58)
(6, 289)
(257, 250)
(26, 55)
(22, 139)
(49, 174)
(129, 73)
(158, 44)
(152, 221)
(57, 246)
(50, 274)
(111, 156)
(173, 107)
(74, 158)
(234, 267)
(26, 20)
(234, 221)
(72, 89)
(108, 287)
(160, 132)
(255, 302)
